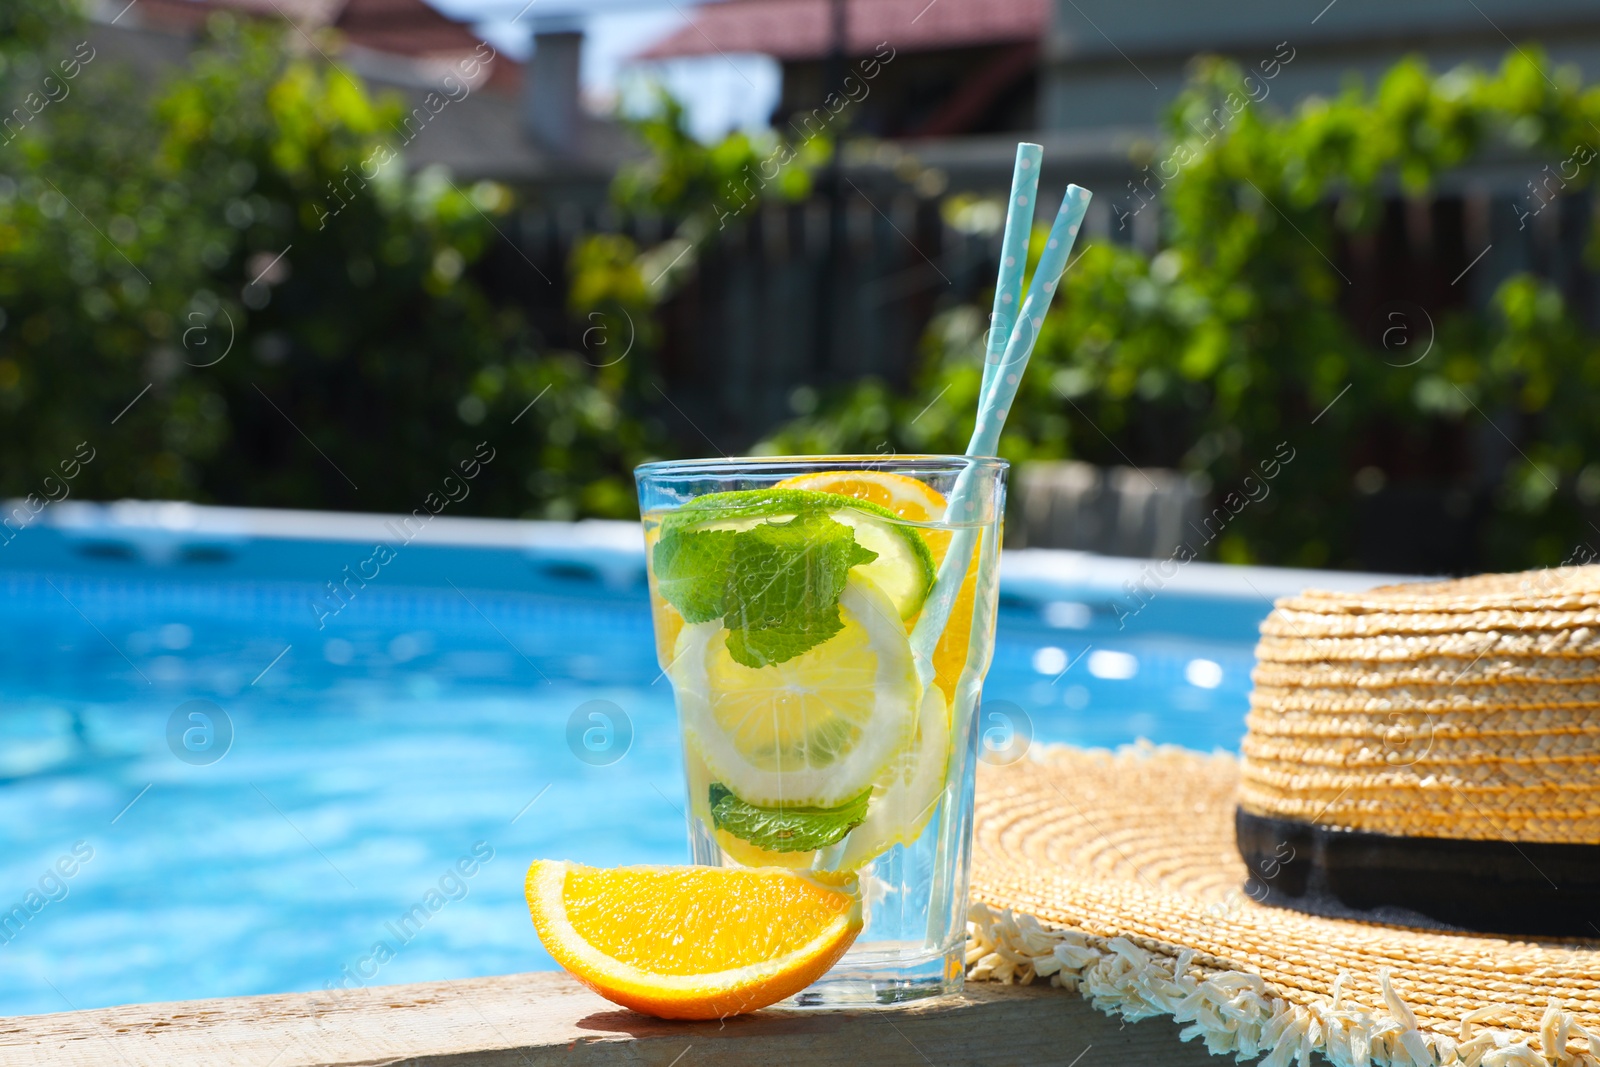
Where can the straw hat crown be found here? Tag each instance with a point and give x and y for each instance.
(1465, 709)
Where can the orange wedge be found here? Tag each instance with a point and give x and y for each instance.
(693, 942)
(913, 501)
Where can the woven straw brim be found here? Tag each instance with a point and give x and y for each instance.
(1130, 861)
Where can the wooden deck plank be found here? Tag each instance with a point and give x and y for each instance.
(528, 1020)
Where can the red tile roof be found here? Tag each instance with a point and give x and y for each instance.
(800, 29)
(410, 28)
(403, 27)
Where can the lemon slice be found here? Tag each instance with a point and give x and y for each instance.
(907, 793)
(815, 730)
(747, 855)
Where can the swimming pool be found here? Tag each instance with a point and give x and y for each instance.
(382, 745)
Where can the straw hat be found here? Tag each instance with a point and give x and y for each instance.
(1403, 868)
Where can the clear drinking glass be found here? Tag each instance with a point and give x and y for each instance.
(827, 645)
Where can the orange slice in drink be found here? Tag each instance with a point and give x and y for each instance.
(668, 623)
(908, 498)
(693, 942)
(950, 654)
(913, 501)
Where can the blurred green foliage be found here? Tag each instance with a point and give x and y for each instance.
(246, 242)
(1230, 338)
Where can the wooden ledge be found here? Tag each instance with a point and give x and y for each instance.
(545, 1018)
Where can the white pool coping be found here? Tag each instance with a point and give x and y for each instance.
(133, 518)
(1037, 568)
(1113, 575)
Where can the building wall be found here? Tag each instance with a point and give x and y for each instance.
(1116, 63)
(921, 91)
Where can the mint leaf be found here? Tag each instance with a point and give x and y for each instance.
(785, 829)
(775, 585)
(784, 584)
(748, 503)
(691, 568)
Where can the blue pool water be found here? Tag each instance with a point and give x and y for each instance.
(394, 765)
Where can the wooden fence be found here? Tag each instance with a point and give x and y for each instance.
(790, 295)
(818, 295)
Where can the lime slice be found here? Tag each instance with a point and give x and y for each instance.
(815, 730)
(907, 793)
(904, 569)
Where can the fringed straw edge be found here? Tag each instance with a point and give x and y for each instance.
(1238, 1012)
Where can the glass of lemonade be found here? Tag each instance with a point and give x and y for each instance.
(826, 642)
